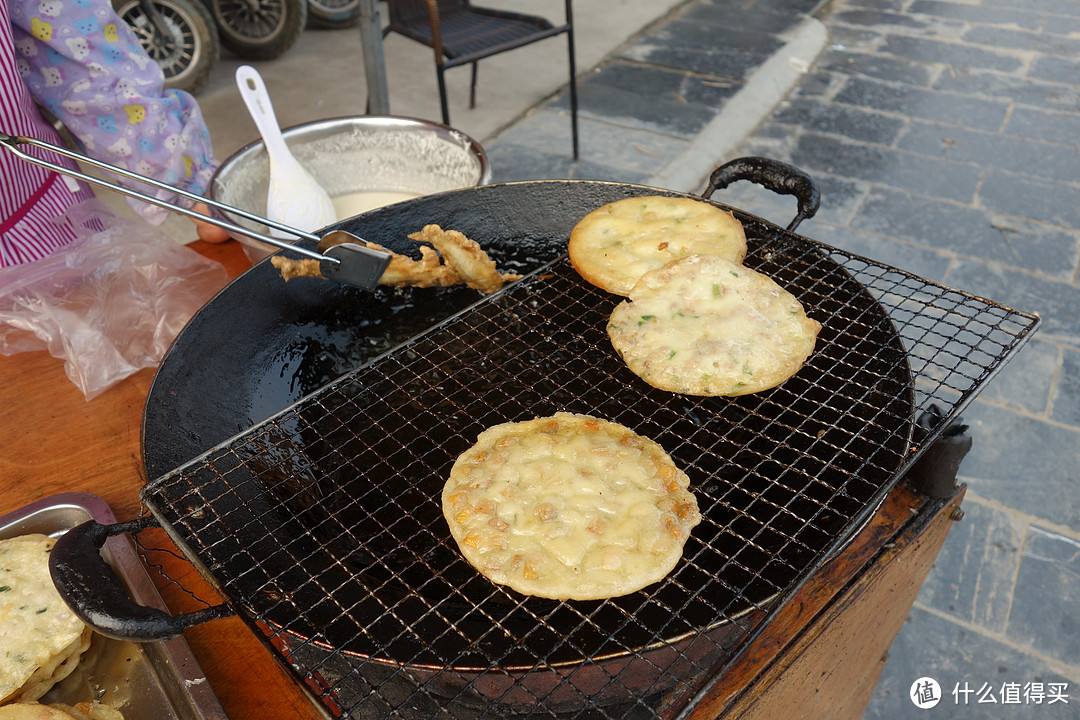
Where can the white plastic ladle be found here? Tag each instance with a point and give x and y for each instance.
(294, 197)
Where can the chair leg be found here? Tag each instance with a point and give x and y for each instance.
(573, 94)
(442, 95)
(472, 86)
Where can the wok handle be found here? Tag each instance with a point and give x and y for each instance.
(773, 175)
(93, 592)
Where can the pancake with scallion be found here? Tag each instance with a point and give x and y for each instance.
(705, 326)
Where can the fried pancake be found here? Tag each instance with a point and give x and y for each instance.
(705, 326)
(59, 711)
(58, 667)
(616, 244)
(41, 637)
(569, 507)
(33, 711)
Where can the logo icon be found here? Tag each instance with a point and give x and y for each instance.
(925, 693)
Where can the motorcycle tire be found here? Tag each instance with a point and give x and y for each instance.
(331, 14)
(189, 50)
(259, 29)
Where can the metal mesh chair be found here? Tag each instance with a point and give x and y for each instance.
(461, 33)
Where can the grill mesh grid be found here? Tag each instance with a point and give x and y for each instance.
(322, 525)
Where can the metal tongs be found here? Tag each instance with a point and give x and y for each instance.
(342, 257)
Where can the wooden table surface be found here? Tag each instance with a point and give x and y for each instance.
(54, 441)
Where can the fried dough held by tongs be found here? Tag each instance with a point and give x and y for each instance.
(448, 258)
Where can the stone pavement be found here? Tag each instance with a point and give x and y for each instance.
(662, 109)
(943, 134)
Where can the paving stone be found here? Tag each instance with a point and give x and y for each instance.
(1027, 383)
(1024, 463)
(874, 163)
(973, 577)
(925, 104)
(1050, 126)
(510, 163)
(821, 85)
(1057, 303)
(712, 36)
(932, 646)
(1049, 568)
(648, 81)
(669, 117)
(608, 151)
(753, 20)
(1058, 69)
(1052, 202)
(1013, 89)
(1023, 40)
(919, 261)
(891, 69)
(717, 63)
(894, 5)
(978, 13)
(970, 231)
(709, 92)
(740, 8)
(1020, 155)
(851, 122)
(1059, 7)
(854, 39)
(656, 84)
(879, 19)
(1067, 399)
(1063, 26)
(839, 199)
(958, 57)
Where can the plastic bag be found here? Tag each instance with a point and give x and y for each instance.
(110, 303)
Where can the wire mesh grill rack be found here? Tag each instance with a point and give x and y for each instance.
(322, 526)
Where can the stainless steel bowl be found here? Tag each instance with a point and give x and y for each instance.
(373, 153)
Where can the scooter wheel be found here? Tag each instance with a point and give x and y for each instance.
(259, 29)
(332, 14)
(188, 49)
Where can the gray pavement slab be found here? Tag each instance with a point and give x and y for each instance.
(942, 134)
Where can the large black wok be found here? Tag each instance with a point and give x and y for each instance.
(260, 344)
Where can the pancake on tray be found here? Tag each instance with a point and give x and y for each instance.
(42, 639)
(569, 507)
(616, 244)
(59, 711)
(705, 326)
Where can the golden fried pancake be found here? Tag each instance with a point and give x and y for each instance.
(705, 326)
(569, 507)
(41, 638)
(59, 711)
(33, 711)
(616, 244)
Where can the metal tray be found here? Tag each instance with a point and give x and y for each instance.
(151, 681)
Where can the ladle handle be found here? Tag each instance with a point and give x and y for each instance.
(12, 142)
(253, 91)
